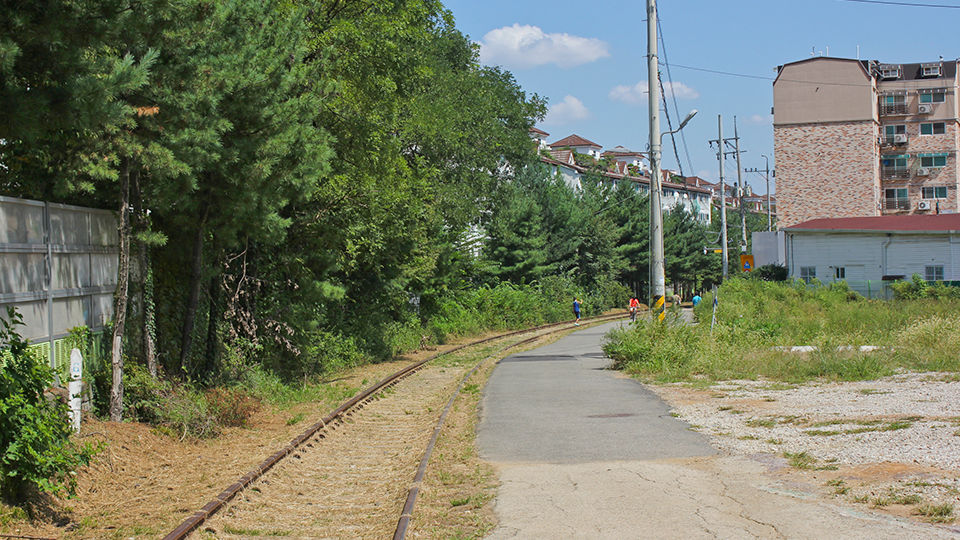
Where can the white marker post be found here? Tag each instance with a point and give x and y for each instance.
(75, 387)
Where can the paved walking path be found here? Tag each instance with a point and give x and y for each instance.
(584, 453)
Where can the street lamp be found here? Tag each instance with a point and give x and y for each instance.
(657, 274)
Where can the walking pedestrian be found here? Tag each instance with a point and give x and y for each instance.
(696, 299)
(576, 310)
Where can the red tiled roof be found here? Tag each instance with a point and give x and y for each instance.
(621, 151)
(914, 223)
(539, 131)
(563, 156)
(575, 141)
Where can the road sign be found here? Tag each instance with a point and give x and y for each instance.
(746, 262)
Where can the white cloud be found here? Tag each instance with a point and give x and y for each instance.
(569, 111)
(637, 94)
(758, 120)
(523, 47)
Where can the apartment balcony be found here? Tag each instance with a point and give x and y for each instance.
(896, 204)
(893, 109)
(894, 173)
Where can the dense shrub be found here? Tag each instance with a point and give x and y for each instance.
(177, 409)
(917, 288)
(232, 407)
(770, 272)
(35, 447)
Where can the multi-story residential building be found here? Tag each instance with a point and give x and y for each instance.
(626, 166)
(858, 138)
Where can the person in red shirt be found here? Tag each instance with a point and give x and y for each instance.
(634, 305)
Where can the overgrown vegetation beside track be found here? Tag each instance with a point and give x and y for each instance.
(755, 319)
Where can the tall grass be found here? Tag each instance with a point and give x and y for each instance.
(754, 319)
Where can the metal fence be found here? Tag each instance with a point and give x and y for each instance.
(58, 268)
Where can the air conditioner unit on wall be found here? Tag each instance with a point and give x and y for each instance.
(923, 205)
(925, 108)
(899, 138)
(923, 171)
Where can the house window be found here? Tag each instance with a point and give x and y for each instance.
(935, 128)
(933, 273)
(896, 199)
(938, 192)
(808, 273)
(840, 272)
(933, 160)
(936, 97)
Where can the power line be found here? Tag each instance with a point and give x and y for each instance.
(908, 4)
(818, 83)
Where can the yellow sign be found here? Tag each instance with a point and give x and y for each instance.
(746, 262)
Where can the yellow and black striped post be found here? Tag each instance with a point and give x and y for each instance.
(658, 310)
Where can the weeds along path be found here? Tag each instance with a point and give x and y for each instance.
(349, 481)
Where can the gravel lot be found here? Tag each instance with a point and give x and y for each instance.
(891, 444)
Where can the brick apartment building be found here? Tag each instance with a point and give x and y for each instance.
(857, 138)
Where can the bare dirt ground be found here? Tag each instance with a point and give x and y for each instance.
(889, 446)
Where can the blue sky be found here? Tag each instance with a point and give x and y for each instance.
(589, 60)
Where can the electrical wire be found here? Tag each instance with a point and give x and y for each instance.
(683, 138)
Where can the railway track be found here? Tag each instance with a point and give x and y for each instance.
(356, 473)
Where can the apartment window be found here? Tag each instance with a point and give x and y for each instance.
(936, 97)
(840, 273)
(937, 192)
(934, 128)
(890, 133)
(896, 199)
(933, 273)
(893, 104)
(808, 273)
(893, 167)
(930, 70)
(890, 71)
(933, 160)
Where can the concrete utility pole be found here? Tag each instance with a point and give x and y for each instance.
(657, 272)
(723, 200)
(766, 172)
(740, 190)
(657, 278)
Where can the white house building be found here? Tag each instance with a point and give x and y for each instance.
(869, 253)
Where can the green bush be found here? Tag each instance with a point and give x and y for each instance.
(178, 409)
(35, 447)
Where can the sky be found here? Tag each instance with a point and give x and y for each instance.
(588, 59)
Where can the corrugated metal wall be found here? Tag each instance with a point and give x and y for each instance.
(58, 267)
(867, 258)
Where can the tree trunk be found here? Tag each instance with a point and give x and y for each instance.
(146, 285)
(120, 311)
(193, 300)
(210, 358)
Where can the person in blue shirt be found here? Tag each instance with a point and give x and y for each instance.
(576, 311)
(696, 299)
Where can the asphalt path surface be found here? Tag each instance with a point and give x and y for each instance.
(585, 453)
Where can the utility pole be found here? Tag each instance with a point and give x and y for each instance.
(740, 191)
(657, 278)
(766, 171)
(723, 201)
